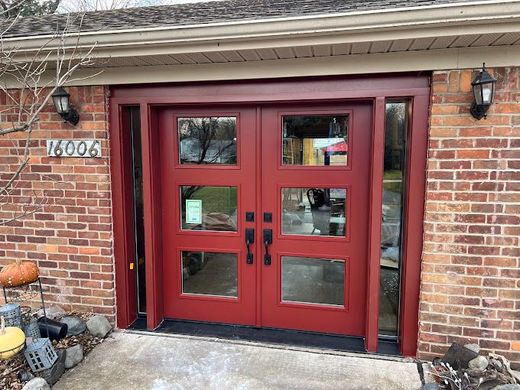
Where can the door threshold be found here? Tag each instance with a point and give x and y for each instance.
(286, 337)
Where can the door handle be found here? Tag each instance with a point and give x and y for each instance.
(250, 239)
(268, 240)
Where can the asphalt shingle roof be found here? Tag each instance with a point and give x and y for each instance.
(205, 13)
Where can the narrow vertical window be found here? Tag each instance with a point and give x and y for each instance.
(391, 227)
(137, 169)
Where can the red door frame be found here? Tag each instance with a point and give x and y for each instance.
(124, 249)
(378, 88)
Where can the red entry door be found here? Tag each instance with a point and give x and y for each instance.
(293, 179)
(315, 174)
(208, 160)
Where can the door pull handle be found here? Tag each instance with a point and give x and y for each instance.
(268, 240)
(250, 239)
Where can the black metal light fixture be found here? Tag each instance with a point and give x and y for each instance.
(61, 99)
(483, 93)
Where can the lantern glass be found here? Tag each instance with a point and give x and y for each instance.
(487, 93)
(61, 101)
(477, 93)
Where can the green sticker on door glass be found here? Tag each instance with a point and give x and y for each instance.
(194, 211)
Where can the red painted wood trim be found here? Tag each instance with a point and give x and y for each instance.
(152, 232)
(374, 242)
(258, 219)
(292, 89)
(122, 320)
(122, 224)
(281, 96)
(408, 85)
(413, 224)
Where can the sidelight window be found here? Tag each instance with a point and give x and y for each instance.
(391, 228)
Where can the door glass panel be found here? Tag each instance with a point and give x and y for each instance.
(208, 208)
(315, 140)
(313, 280)
(314, 211)
(209, 273)
(207, 140)
(391, 227)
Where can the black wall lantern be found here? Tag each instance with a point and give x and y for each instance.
(61, 102)
(483, 93)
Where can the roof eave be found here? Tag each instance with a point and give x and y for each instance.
(465, 18)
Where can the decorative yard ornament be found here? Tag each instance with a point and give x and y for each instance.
(61, 99)
(483, 93)
(19, 273)
(12, 340)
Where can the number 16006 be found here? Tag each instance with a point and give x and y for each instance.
(73, 148)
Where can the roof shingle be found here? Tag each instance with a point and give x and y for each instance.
(204, 13)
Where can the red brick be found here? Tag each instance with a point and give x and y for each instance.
(65, 213)
(477, 209)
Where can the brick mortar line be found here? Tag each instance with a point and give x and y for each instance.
(453, 273)
(484, 257)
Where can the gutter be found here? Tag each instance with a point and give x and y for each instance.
(479, 17)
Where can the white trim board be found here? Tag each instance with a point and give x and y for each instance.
(429, 60)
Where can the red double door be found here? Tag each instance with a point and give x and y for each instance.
(265, 214)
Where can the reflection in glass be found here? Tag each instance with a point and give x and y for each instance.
(315, 140)
(393, 185)
(135, 133)
(208, 208)
(314, 211)
(207, 140)
(209, 273)
(310, 280)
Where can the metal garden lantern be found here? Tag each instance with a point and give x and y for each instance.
(483, 93)
(61, 99)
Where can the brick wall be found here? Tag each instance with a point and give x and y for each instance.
(70, 237)
(470, 290)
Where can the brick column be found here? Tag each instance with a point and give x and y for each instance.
(70, 237)
(470, 289)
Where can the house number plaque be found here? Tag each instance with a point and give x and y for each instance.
(73, 148)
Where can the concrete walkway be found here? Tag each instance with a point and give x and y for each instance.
(159, 362)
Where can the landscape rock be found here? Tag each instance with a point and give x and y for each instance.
(25, 376)
(458, 356)
(480, 363)
(75, 325)
(474, 347)
(99, 326)
(53, 312)
(507, 387)
(37, 384)
(73, 356)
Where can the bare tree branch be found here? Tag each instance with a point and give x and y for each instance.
(27, 92)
